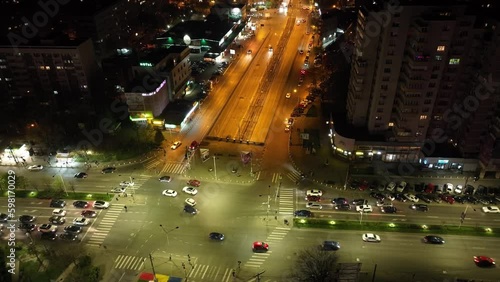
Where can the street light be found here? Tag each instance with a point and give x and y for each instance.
(64, 185)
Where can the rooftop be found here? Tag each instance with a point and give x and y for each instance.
(343, 128)
(176, 111)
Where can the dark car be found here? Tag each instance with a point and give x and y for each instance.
(49, 236)
(4, 217)
(424, 198)
(388, 209)
(303, 213)
(420, 187)
(27, 226)
(81, 175)
(330, 246)
(68, 236)
(88, 213)
(339, 201)
(81, 204)
(108, 170)
(189, 209)
(431, 239)
(483, 261)
(57, 219)
(57, 203)
(469, 190)
(419, 207)
(471, 199)
(216, 236)
(354, 184)
(460, 199)
(193, 145)
(165, 178)
(343, 207)
(359, 202)
(400, 197)
(26, 219)
(73, 229)
(377, 196)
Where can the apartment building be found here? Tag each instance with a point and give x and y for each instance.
(53, 72)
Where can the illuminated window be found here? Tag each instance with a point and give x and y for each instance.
(391, 124)
(422, 117)
(47, 68)
(454, 61)
(438, 58)
(42, 67)
(440, 48)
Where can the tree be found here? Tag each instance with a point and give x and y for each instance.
(84, 271)
(159, 137)
(314, 265)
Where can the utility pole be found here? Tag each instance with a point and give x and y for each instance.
(462, 216)
(153, 267)
(215, 168)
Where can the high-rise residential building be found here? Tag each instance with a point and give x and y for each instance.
(52, 72)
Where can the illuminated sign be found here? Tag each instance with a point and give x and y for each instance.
(145, 64)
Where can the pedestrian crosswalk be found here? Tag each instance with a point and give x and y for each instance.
(257, 259)
(277, 235)
(276, 178)
(202, 272)
(294, 175)
(101, 231)
(159, 167)
(286, 203)
(129, 262)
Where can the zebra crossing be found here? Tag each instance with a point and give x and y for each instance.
(277, 235)
(276, 178)
(102, 229)
(129, 262)
(202, 272)
(169, 167)
(294, 175)
(257, 259)
(286, 203)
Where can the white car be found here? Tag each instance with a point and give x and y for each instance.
(127, 183)
(190, 190)
(370, 237)
(287, 128)
(364, 208)
(401, 186)
(119, 189)
(411, 197)
(176, 145)
(448, 188)
(312, 205)
(390, 197)
(165, 179)
(81, 221)
(314, 192)
(169, 193)
(47, 228)
(459, 189)
(59, 212)
(35, 167)
(101, 205)
(391, 186)
(491, 209)
(288, 95)
(190, 201)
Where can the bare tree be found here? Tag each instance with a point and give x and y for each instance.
(314, 265)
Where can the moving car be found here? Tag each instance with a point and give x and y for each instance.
(73, 229)
(330, 246)
(81, 221)
(459, 189)
(419, 207)
(59, 212)
(194, 183)
(431, 239)
(343, 207)
(108, 170)
(491, 209)
(288, 95)
(88, 213)
(57, 220)
(358, 202)
(119, 189)
(313, 198)
(314, 192)
(190, 209)
(302, 213)
(190, 202)
(81, 175)
(370, 237)
(127, 183)
(169, 193)
(364, 208)
(165, 179)
(176, 145)
(193, 145)
(260, 246)
(68, 236)
(56, 203)
(339, 201)
(216, 236)
(101, 205)
(44, 228)
(484, 261)
(388, 209)
(35, 167)
(80, 204)
(190, 190)
(313, 205)
(28, 227)
(27, 219)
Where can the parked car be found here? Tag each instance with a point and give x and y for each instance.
(81, 175)
(27, 219)
(101, 205)
(35, 167)
(56, 203)
(358, 202)
(169, 193)
(411, 197)
(401, 187)
(81, 204)
(388, 209)
(391, 186)
(165, 179)
(364, 208)
(339, 201)
(447, 198)
(424, 198)
(108, 170)
(343, 207)
(448, 188)
(194, 183)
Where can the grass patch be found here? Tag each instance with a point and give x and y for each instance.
(59, 194)
(31, 271)
(396, 227)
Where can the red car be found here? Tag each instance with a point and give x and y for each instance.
(193, 145)
(194, 183)
(483, 261)
(448, 198)
(364, 185)
(88, 213)
(313, 198)
(260, 247)
(430, 188)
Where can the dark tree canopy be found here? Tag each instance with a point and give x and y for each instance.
(314, 265)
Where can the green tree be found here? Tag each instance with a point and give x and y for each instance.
(314, 265)
(159, 137)
(84, 271)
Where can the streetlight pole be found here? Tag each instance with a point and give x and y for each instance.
(168, 231)
(153, 267)
(215, 168)
(346, 177)
(64, 185)
(360, 217)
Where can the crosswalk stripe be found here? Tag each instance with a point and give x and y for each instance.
(129, 262)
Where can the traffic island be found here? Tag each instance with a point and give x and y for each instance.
(396, 227)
